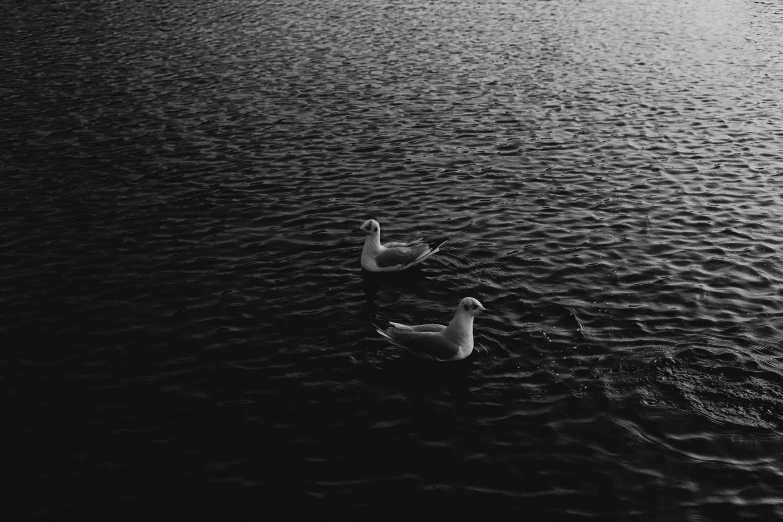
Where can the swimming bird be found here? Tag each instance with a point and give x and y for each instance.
(435, 341)
(393, 257)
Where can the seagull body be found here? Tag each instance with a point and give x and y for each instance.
(393, 257)
(434, 341)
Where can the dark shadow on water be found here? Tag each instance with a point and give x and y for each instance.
(373, 281)
(409, 372)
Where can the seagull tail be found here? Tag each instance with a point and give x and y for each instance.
(434, 245)
(381, 325)
(436, 242)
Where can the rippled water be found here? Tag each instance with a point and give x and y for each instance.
(184, 316)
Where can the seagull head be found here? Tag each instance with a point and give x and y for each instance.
(371, 228)
(472, 307)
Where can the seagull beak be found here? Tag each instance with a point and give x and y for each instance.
(485, 311)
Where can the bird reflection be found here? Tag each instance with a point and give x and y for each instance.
(419, 375)
(373, 281)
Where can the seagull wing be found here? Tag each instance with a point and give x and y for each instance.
(397, 256)
(420, 327)
(434, 345)
(404, 243)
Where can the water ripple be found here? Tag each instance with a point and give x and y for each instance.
(182, 302)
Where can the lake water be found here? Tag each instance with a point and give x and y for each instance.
(185, 321)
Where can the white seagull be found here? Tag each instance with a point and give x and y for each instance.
(435, 341)
(393, 257)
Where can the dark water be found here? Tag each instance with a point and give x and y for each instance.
(182, 311)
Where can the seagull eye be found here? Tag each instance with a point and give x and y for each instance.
(374, 229)
(475, 306)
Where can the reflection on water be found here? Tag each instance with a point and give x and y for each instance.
(183, 311)
(372, 282)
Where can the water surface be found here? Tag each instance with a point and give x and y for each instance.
(184, 315)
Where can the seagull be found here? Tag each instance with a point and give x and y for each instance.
(434, 341)
(393, 257)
